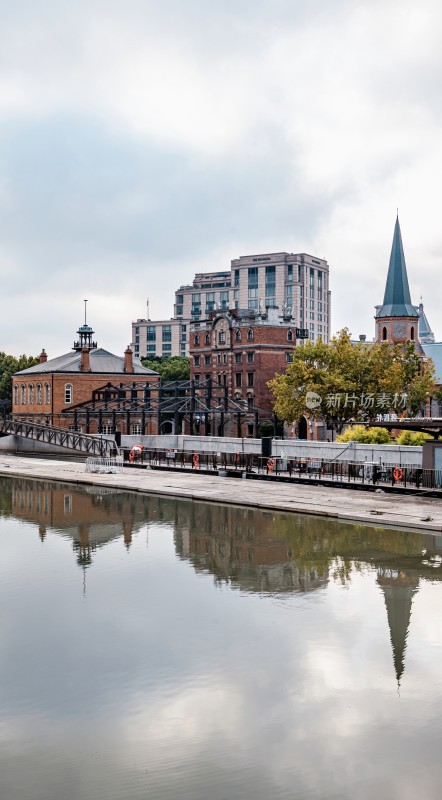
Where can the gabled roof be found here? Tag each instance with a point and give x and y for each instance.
(397, 300)
(434, 351)
(101, 362)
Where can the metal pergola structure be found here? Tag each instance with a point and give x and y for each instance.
(166, 406)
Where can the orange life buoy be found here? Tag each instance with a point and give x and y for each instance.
(270, 464)
(196, 460)
(397, 473)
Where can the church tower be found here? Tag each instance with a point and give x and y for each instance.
(397, 320)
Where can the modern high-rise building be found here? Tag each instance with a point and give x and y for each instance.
(295, 283)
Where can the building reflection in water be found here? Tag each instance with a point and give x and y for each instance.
(250, 550)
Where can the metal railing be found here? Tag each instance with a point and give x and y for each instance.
(304, 470)
(104, 465)
(61, 437)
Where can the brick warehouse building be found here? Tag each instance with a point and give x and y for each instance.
(242, 350)
(49, 392)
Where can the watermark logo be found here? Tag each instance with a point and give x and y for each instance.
(382, 401)
(313, 400)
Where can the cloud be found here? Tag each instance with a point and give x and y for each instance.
(143, 142)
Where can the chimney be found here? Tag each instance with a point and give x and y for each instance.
(85, 362)
(43, 356)
(128, 360)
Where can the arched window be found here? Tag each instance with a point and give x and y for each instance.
(290, 336)
(197, 340)
(15, 394)
(384, 334)
(250, 335)
(412, 333)
(238, 336)
(39, 394)
(23, 394)
(68, 393)
(31, 394)
(47, 394)
(207, 340)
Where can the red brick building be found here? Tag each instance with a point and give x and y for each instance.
(242, 350)
(49, 392)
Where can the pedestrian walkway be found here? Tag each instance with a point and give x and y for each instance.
(350, 505)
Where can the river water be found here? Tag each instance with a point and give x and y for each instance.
(161, 648)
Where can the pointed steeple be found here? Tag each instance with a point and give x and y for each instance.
(426, 335)
(397, 300)
(398, 594)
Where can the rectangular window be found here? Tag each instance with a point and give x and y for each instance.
(68, 393)
(289, 358)
(197, 361)
(137, 340)
(210, 301)
(179, 311)
(167, 349)
(167, 333)
(224, 300)
(151, 348)
(238, 358)
(250, 358)
(222, 337)
(238, 380)
(196, 305)
(151, 333)
(236, 277)
(299, 273)
(207, 360)
(253, 278)
(289, 272)
(270, 285)
(137, 330)
(250, 378)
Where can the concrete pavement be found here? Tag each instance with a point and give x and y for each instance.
(373, 508)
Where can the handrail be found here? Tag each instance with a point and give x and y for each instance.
(61, 437)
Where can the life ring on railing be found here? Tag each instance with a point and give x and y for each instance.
(135, 453)
(397, 473)
(270, 464)
(196, 460)
(237, 457)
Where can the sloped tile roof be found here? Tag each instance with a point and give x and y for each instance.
(101, 361)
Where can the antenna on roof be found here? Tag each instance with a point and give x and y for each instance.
(85, 311)
(147, 304)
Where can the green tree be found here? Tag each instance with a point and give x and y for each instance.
(360, 433)
(413, 438)
(352, 382)
(170, 368)
(9, 365)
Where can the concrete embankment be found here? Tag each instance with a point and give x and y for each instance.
(376, 508)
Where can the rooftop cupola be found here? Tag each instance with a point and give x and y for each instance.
(85, 334)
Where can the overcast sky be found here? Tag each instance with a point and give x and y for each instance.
(142, 141)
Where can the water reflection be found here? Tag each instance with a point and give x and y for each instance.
(253, 649)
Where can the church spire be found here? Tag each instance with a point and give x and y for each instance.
(397, 300)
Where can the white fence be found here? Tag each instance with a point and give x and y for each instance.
(107, 466)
